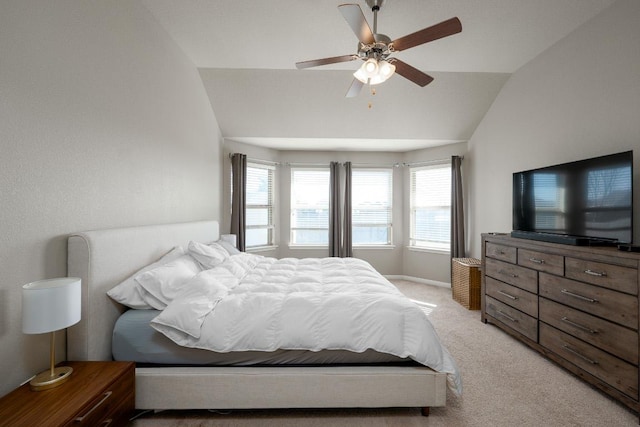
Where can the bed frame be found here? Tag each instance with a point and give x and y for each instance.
(104, 258)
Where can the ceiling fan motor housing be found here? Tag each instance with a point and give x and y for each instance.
(379, 50)
(375, 5)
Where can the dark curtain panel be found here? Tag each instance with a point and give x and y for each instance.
(239, 198)
(347, 238)
(335, 240)
(457, 209)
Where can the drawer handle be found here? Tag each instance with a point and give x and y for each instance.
(583, 298)
(507, 295)
(506, 273)
(536, 260)
(507, 316)
(596, 273)
(96, 406)
(581, 356)
(579, 326)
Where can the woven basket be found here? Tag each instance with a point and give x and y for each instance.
(465, 282)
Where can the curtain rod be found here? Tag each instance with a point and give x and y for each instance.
(355, 165)
(310, 165)
(264, 162)
(372, 165)
(431, 162)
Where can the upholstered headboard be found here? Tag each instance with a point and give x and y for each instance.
(104, 258)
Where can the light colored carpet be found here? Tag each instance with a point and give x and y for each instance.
(505, 384)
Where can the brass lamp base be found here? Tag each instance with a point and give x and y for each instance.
(50, 379)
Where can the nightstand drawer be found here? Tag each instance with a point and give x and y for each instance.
(515, 275)
(515, 319)
(95, 393)
(615, 339)
(107, 408)
(616, 372)
(510, 295)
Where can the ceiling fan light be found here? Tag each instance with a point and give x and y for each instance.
(386, 69)
(374, 72)
(370, 67)
(361, 75)
(376, 80)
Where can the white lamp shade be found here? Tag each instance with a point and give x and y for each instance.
(386, 69)
(50, 305)
(361, 75)
(230, 238)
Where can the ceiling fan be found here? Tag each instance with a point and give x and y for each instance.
(376, 49)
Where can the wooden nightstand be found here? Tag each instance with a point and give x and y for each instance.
(96, 394)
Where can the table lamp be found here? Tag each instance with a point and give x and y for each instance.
(48, 306)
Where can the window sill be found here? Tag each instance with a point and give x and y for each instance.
(262, 248)
(308, 246)
(374, 247)
(429, 250)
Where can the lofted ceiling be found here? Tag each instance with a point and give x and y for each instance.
(246, 52)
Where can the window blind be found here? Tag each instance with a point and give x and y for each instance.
(310, 206)
(431, 206)
(371, 206)
(259, 205)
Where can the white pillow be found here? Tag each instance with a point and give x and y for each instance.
(165, 282)
(200, 296)
(208, 256)
(127, 292)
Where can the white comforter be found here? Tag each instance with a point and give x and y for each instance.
(255, 303)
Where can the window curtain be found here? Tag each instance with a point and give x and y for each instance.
(239, 199)
(457, 209)
(347, 237)
(335, 236)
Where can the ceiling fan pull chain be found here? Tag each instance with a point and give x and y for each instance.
(373, 92)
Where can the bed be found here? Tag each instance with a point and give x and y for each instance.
(103, 258)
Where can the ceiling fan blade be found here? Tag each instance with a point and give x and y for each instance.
(324, 61)
(356, 20)
(411, 73)
(435, 32)
(354, 89)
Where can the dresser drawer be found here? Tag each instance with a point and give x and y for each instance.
(619, 374)
(515, 275)
(510, 295)
(502, 252)
(515, 319)
(615, 339)
(623, 279)
(611, 305)
(550, 263)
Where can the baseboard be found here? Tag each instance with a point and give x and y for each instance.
(419, 280)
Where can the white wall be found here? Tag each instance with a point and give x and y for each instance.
(578, 99)
(105, 123)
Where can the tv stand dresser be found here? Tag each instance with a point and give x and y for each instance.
(576, 305)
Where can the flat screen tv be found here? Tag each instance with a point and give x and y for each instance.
(587, 202)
